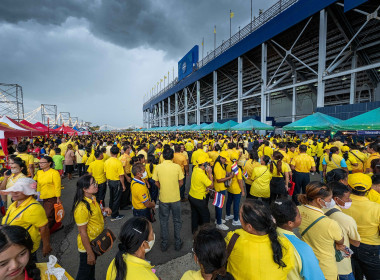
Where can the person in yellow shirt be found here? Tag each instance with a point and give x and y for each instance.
(301, 165)
(125, 158)
(235, 190)
(197, 153)
(258, 248)
(29, 159)
(321, 233)
(360, 158)
(96, 169)
(267, 150)
(149, 167)
(136, 240)
(281, 173)
(366, 213)
(282, 150)
(261, 177)
(89, 217)
(333, 160)
(189, 147)
(209, 249)
(374, 151)
(214, 153)
(49, 187)
(351, 160)
(26, 212)
(288, 219)
(248, 169)
(141, 200)
(221, 178)
(181, 160)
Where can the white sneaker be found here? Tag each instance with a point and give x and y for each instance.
(223, 221)
(230, 217)
(222, 227)
(236, 223)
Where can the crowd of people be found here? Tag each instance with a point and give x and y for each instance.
(284, 225)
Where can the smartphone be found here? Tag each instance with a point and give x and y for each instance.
(8, 173)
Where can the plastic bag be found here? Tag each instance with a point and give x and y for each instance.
(59, 212)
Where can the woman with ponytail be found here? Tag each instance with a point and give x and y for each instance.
(281, 172)
(332, 161)
(248, 169)
(259, 253)
(321, 233)
(136, 239)
(15, 257)
(209, 249)
(90, 221)
(261, 177)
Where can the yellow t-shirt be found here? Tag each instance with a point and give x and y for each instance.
(303, 163)
(213, 155)
(29, 159)
(48, 183)
(189, 146)
(284, 168)
(350, 231)
(286, 158)
(180, 159)
(31, 219)
(136, 269)
(334, 163)
(96, 168)
(369, 160)
(373, 196)
(199, 183)
(261, 177)
(126, 161)
(249, 166)
(321, 237)
(254, 253)
(234, 187)
(350, 161)
(140, 194)
(168, 174)
(196, 155)
(360, 158)
(219, 173)
(94, 221)
(366, 213)
(192, 275)
(113, 169)
(267, 151)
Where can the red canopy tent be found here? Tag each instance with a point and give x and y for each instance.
(7, 121)
(65, 130)
(7, 132)
(30, 125)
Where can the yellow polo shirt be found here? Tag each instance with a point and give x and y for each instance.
(94, 221)
(199, 183)
(284, 168)
(267, 151)
(140, 195)
(168, 174)
(249, 166)
(180, 159)
(136, 269)
(48, 183)
(303, 163)
(96, 168)
(219, 173)
(234, 187)
(366, 213)
(113, 169)
(254, 253)
(261, 177)
(34, 217)
(321, 237)
(192, 275)
(350, 231)
(126, 161)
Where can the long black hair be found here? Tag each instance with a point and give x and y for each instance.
(333, 150)
(16, 235)
(132, 234)
(257, 214)
(21, 163)
(210, 249)
(336, 175)
(83, 182)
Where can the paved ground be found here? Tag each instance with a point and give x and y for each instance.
(170, 264)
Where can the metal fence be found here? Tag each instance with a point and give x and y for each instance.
(263, 18)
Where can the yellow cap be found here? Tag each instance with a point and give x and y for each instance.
(359, 182)
(234, 156)
(225, 155)
(202, 159)
(344, 149)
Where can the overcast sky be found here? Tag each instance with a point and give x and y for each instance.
(98, 58)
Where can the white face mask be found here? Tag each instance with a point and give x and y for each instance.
(15, 170)
(151, 243)
(346, 204)
(329, 205)
(144, 175)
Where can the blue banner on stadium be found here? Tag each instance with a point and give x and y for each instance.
(188, 63)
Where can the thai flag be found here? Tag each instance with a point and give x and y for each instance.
(218, 200)
(245, 175)
(235, 168)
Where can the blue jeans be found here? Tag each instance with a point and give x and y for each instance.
(347, 277)
(142, 213)
(235, 198)
(219, 211)
(164, 213)
(183, 188)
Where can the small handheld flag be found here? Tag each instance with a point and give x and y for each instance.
(245, 175)
(235, 168)
(218, 200)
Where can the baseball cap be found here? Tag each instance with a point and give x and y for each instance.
(359, 182)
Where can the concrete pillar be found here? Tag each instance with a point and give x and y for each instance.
(186, 107)
(322, 58)
(240, 90)
(263, 81)
(354, 64)
(176, 108)
(294, 99)
(198, 103)
(169, 113)
(215, 96)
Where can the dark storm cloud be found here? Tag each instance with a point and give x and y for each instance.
(172, 25)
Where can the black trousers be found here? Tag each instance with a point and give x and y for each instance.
(101, 194)
(85, 271)
(277, 188)
(365, 261)
(301, 179)
(115, 196)
(199, 213)
(126, 195)
(80, 167)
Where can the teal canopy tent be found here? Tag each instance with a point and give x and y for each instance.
(252, 124)
(227, 125)
(212, 126)
(317, 121)
(367, 121)
(198, 127)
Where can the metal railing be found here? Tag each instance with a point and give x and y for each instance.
(262, 19)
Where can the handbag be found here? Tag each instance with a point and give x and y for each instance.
(103, 243)
(59, 212)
